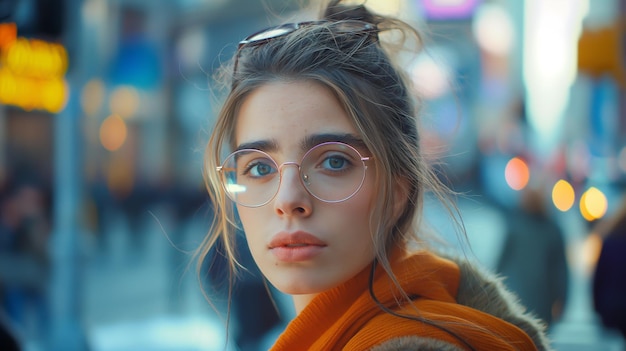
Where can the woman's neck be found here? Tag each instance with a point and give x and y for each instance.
(301, 301)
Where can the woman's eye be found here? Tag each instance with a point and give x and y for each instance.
(334, 163)
(259, 169)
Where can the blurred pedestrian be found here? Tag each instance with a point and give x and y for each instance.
(326, 178)
(8, 338)
(253, 309)
(24, 258)
(253, 313)
(533, 259)
(609, 280)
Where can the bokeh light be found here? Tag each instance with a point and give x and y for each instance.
(563, 195)
(113, 132)
(551, 32)
(8, 35)
(593, 204)
(517, 173)
(590, 252)
(490, 16)
(431, 75)
(124, 101)
(92, 96)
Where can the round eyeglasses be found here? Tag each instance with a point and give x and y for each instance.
(331, 172)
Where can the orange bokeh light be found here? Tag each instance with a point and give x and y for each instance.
(113, 132)
(517, 173)
(563, 195)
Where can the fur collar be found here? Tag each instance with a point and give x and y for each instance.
(483, 291)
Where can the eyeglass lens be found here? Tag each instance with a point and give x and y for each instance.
(331, 172)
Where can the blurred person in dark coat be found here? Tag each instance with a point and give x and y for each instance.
(255, 314)
(533, 259)
(24, 261)
(609, 281)
(8, 339)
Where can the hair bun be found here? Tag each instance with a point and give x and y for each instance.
(340, 12)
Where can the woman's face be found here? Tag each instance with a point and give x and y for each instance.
(301, 244)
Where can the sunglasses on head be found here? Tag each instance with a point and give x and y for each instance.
(338, 27)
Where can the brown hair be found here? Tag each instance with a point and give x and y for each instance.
(360, 71)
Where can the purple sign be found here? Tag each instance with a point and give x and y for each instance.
(449, 9)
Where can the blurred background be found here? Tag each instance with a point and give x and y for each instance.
(106, 105)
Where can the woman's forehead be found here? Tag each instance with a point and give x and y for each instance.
(290, 113)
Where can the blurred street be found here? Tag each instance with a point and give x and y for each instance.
(142, 296)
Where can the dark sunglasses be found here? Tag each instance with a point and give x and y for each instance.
(268, 34)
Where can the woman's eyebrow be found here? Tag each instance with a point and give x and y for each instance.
(271, 145)
(263, 145)
(346, 138)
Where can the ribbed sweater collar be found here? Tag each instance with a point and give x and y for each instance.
(334, 316)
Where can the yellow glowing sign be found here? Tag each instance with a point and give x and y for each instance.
(31, 74)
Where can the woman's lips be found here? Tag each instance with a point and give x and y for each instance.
(296, 247)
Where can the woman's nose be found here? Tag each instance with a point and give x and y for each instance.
(292, 198)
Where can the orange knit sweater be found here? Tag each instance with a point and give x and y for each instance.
(346, 317)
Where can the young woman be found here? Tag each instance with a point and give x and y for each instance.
(327, 178)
